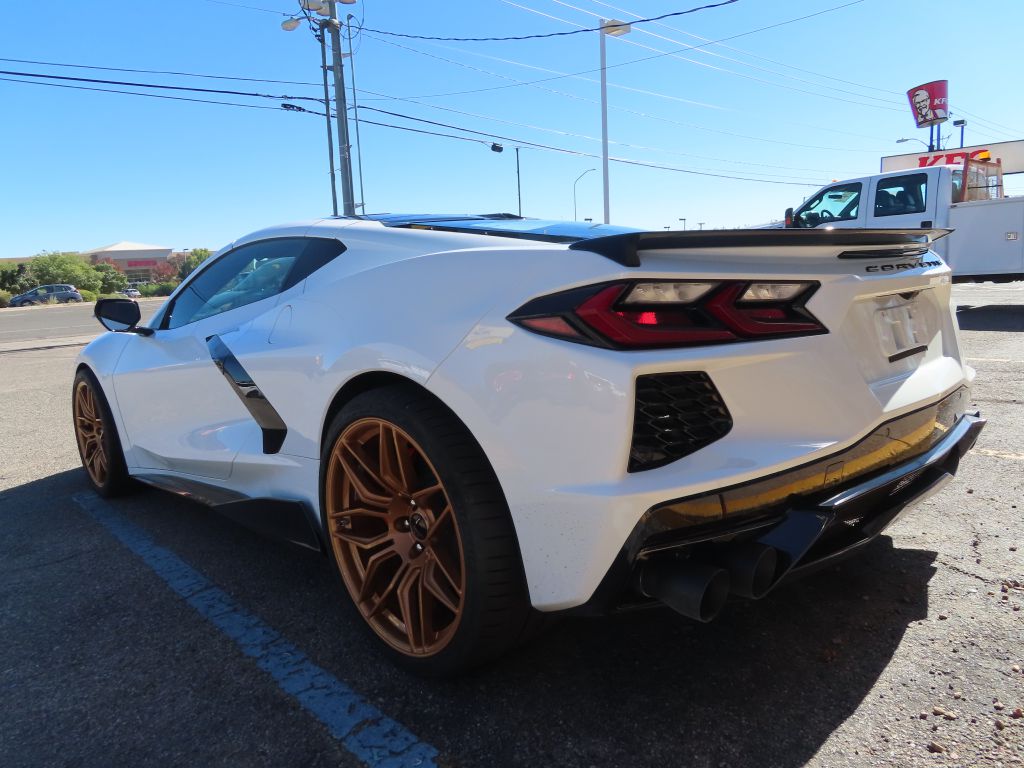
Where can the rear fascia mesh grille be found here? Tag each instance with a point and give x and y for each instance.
(676, 414)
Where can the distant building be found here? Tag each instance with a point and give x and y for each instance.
(138, 261)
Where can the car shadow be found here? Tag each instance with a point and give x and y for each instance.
(991, 317)
(767, 683)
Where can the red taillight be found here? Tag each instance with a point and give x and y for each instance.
(673, 313)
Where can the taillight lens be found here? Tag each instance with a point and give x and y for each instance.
(673, 313)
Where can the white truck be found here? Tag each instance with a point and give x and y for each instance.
(986, 242)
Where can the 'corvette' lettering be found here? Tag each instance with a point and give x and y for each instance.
(902, 265)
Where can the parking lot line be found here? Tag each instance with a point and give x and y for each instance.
(365, 731)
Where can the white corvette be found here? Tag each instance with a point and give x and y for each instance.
(482, 420)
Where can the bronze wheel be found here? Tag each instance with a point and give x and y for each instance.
(96, 435)
(89, 433)
(395, 536)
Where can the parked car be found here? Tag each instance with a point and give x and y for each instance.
(485, 420)
(61, 293)
(131, 293)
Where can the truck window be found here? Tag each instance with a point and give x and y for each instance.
(838, 203)
(897, 195)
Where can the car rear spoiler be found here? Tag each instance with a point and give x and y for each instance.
(863, 243)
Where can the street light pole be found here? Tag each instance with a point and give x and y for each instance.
(574, 191)
(616, 29)
(344, 146)
(701, 225)
(327, 114)
(519, 187)
(684, 224)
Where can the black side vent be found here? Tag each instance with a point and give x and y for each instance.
(676, 414)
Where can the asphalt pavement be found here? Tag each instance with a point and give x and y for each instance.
(23, 328)
(150, 631)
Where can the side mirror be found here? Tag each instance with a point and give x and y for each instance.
(120, 315)
(789, 217)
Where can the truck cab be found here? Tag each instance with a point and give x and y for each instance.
(986, 242)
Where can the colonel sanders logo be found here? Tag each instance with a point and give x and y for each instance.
(929, 103)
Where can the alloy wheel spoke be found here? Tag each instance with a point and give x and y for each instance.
(362, 542)
(446, 572)
(351, 472)
(373, 565)
(421, 496)
(395, 465)
(382, 598)
(410, 605)
(434, 587)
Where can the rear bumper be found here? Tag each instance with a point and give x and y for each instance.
(809, 532)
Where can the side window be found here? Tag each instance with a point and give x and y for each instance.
(897, 195)
(838, 203)
(318, 252)
(248, 274)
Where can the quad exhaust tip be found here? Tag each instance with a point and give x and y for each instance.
(699, 590)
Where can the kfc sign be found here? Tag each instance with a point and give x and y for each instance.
(1009, 154)
(929, 103)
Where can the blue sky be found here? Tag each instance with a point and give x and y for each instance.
(801, 103)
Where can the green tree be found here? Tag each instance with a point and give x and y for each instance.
(67, 267)
(195, 257)
(112, 279)
(14, 278)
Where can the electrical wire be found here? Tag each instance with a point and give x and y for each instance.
(161, 87)
(718, 55)
(297, 108)
(626, 145)
(712, 66)
(645, 58)
(158, 72)
(707, 7)
(578, 153)
(135, 93)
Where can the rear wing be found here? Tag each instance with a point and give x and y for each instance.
(625, 249)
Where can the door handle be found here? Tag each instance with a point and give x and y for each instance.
(926, 224)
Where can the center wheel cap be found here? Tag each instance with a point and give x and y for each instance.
(418, 526)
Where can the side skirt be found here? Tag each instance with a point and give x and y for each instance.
(280, 519)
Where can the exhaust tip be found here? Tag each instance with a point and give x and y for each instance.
(696, 590)
(752, 569)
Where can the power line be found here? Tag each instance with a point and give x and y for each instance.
(718, 55)
(158, 72)
(709, 66)
(161, 87)
(578, 153)
(592, 138)
(645, 58)
(250, 7)
(296, 108)
(708, 7)
(135, 93)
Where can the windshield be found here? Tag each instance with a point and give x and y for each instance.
(838, 203)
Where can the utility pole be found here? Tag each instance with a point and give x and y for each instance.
(355, 114)
(341, 108)
(519, 188)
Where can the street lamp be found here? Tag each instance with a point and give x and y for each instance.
(701, 225)
(574, 191)
(960, 124)
(684, 224)
(615, 29)
(903, 141)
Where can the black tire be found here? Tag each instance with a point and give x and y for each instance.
(115, 481)
(496, 613)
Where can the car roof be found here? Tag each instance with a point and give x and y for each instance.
(501, 225)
